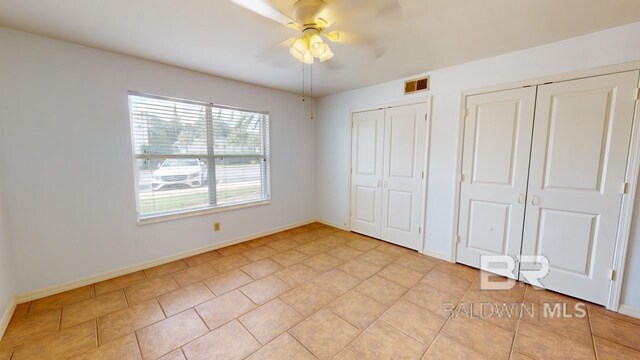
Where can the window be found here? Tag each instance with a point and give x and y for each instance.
(193, 156)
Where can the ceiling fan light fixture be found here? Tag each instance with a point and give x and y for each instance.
(328, 54)
(299, 49)
(300, 45)
(308, 58)
(311, 46)
(317, 47)
(315, 41)
(296, 54)
(333, 36)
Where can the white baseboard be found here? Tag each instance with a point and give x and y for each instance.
(332, 224)
(37, 294)
(629, 311)
(6, 316)
(437, 255)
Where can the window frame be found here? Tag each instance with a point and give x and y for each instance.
(211, 157)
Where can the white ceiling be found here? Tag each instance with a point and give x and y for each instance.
(221, 38)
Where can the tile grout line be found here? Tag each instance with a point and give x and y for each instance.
(160, 305)
(60, 321)
(303, 345)
(135, 331)
(98, 332)
(617, 343)
(431, 312)
(593, 340)
(205, 323)
(515, 331)
(95, 326)
(190, 341)
(209, 331)
(592, 335)
(360, 332)
(135, 335)
(395, 302)
(325, 307)
(253, 336)
(449, 318)
(610, 339)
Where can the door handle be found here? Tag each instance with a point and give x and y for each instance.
(379, 183)
(521, 198)
(385, 183)
(535, 200)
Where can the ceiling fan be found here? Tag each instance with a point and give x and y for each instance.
(312, 18)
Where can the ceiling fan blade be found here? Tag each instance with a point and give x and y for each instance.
(333, 64)
(277, 55)
(341, 11)
(264, 8)
(346, 37)
(392, 7)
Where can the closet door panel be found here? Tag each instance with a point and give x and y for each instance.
(497, 139)
(578, 163)
(404, 157)
(366, 172)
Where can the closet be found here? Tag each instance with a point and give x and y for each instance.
(388, 173)
(543, 173)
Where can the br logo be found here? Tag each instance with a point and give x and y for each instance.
(533, 268)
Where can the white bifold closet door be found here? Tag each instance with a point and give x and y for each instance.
(578, 162)
(366, 172)
(403, 171)
(543, 174)
(387, 184)
(497, 140)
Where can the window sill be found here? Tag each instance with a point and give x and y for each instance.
(187, 214)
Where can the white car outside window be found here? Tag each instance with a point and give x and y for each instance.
(179, 173)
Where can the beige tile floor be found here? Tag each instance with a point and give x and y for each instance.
(310, 292)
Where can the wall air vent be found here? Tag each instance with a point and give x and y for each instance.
(416, 85)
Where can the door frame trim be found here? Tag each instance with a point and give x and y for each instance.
(631, 174)
(426, 100)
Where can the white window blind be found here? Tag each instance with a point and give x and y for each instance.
(193, 156)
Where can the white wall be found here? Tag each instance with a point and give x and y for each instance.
(7, 280)
(612, 46)
(68, 170)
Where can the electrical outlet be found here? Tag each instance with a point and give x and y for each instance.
(216, 226)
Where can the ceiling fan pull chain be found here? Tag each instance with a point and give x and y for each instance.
(302, 82)
(311, 90)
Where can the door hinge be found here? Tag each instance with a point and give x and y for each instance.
(461, 178)
(638, 94)
(419, 230)
(426, 117)
(625, 187)
(423, 174)
(612, 275)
